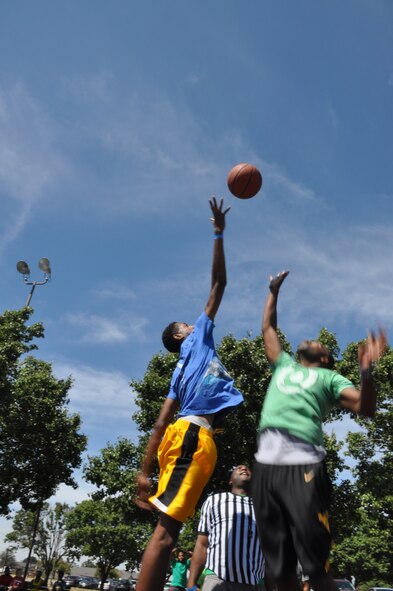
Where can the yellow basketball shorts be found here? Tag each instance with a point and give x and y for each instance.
(187, 457)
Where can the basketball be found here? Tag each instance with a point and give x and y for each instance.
(244, 180)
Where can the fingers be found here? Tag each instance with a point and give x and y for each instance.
(279, 278)
(373, 348)
(218, 208)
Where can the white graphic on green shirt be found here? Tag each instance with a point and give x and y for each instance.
(290, 379)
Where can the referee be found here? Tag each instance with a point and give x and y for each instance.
(227, 546)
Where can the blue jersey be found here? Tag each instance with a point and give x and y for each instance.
(200, 381)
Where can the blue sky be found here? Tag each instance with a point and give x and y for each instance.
(118, 120)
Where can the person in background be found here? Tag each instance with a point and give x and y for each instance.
(227, 547)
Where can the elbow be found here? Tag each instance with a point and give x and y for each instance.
(159, 428)
(221, 282)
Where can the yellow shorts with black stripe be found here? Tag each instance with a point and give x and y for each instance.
(187, 457)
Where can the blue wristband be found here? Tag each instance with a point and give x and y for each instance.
(218, 236)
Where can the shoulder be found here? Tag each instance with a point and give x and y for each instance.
(212, 499)
(283, 359)
(204, 322)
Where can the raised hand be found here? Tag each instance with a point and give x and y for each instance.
(143, 491)
(218, 218)
(372, 349)
(277, 281)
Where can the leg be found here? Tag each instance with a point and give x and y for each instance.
(157, 554)
(288, 582)
(323, 583)
(274, 531)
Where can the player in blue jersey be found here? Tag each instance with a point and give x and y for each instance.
(201, 394)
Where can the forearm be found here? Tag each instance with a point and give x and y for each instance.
(269, 319)
(198, 561)
(151, 449)
(219, 273)
(368, 394)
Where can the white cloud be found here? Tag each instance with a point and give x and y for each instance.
(30, 162)
(294, 189)
(334, 279)
(101, 330)
(114, 291)
(104, 400)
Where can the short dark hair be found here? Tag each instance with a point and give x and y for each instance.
(173, 345)
(302, 351)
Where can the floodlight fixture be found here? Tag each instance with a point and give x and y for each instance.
(44, 265)
(24, 269)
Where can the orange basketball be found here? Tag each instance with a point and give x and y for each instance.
(244, 180)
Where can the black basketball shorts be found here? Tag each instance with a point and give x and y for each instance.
(291, 507)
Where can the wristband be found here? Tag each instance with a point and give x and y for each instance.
(218, 236)
(194, 588)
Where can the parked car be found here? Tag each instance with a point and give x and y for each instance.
(87, 583)
(71, 581)
(125, 585)
(344, 584)
(380, 589)
(110, 585)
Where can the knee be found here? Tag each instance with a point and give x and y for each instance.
(166, 534)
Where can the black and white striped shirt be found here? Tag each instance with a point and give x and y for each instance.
(234, 553)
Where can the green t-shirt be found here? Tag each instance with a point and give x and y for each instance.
(299, 398)
(179, 573)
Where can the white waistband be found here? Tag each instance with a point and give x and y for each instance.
(198, 420)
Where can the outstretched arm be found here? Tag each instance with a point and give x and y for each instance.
(364, 401)
(219, 274)
(269, 321)
(198, 560)
(166, 415)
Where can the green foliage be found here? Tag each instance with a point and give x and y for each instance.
(152, 390)
(49, 539)
(366, 553)
(15, 340)
(113, 473)
(8, 558)
(43, 443)
(364, 549)
(96, 528)
(64, 566)
(40, 441)
(89, 564)
(109, 528)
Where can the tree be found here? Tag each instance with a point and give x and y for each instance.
(365, 548)
(49, 545)
(96, 528)
(89, 564)
(15, 340)
(41, 443)
(109, 528)
(366, 552)
(7, 557)
(44, 435)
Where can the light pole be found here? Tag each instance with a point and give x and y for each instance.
(24, 269)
